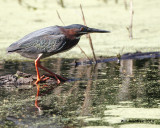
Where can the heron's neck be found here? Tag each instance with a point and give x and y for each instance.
(70, 33)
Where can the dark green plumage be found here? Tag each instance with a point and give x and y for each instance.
(51, 40)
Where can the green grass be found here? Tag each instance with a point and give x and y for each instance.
(17, 21)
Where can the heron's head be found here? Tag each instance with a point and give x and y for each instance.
(79, 30)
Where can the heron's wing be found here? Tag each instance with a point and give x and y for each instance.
(43, 44)
(52, 30)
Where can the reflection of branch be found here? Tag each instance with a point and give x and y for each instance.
(79, 73)
(89, 37)
(126, 71)
(131, 24)
(159, 66)
(87, 99)
(77, 44)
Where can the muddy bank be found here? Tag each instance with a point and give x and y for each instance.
(21, 78)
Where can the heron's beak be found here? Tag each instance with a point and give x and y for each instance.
(94, 30)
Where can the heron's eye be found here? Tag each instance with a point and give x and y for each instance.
(81, 28)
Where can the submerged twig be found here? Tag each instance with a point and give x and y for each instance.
(88, 35)
(77, 44)
(130, 28)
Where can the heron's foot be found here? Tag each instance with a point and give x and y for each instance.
(57, 77)
(48, 77)
(45, 77)
(42, 79)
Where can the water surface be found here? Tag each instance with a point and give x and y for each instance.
(112, 94)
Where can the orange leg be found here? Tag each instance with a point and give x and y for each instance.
(37, 64)
(45, 69)
(36, 100)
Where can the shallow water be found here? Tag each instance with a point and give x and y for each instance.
(112, 94)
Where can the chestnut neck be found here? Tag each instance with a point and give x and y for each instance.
(70, 33)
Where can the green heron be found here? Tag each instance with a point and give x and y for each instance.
(49, 41)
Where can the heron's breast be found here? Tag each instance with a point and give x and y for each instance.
(71, 43)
